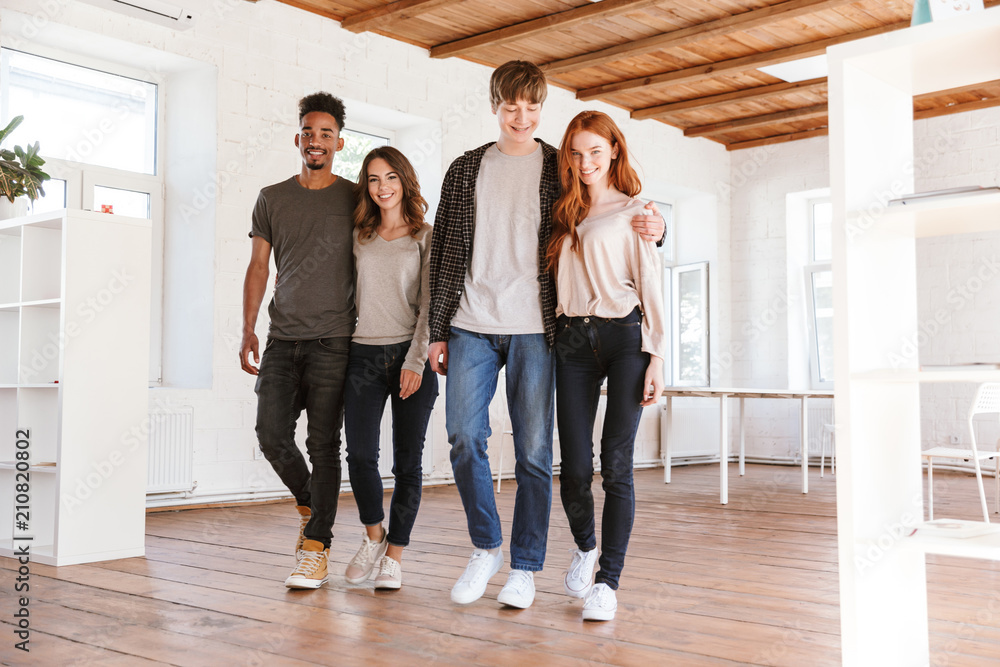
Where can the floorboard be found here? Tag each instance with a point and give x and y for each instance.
(750, 583)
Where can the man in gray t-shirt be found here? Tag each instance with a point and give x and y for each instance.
(306, 221)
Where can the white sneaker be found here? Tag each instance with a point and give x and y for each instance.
(361, 566)
(580, 575)
(601, 604)
(390, 575)
(519, 591)
(472, 584)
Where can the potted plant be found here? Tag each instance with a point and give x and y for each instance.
(20, 171)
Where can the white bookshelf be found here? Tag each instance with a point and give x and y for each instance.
(883, 587)
(74, 321)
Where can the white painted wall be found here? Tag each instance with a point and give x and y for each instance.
(957, 277)
(267, 55)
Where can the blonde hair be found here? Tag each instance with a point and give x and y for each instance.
(517, 80)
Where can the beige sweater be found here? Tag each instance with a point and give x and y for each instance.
(393, 293)
(614, 272)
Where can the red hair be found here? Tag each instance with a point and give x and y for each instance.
(573, 204)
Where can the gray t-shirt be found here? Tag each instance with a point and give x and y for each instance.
(394, 293)
(310, 232)
(502, 294)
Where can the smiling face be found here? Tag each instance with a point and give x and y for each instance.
(318, 139)
(592, 155)
(518, 121)
(384, 185)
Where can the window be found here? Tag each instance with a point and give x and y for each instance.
(80, 114)
(357, 145)
(667, 254)
(819, 292)
(97, 131)
(687, 293)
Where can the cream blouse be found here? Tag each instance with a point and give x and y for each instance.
(613, 272)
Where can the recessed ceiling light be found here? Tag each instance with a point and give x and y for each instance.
(798, 70)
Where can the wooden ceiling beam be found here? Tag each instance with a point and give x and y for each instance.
(311, 7)
(733, 66)
(763, 92)
(917, 115)
(695, 33)
(557, 21)
(379, 17)
(778, 139)
(744, 95)
(802, 113)
(957, 108)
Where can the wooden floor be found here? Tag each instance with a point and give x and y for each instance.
(754, 582)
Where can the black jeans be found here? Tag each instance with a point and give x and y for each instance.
(309, 374)
(588, 350)
(373, 375)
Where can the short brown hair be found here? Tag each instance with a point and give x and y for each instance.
(517, 80)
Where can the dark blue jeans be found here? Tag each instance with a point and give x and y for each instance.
(474, 363)
(588, 350)
(296, 375)
(373, 374)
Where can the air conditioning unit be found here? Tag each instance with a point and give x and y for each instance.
(157, 11)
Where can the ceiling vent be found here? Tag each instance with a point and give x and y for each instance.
(156, 11)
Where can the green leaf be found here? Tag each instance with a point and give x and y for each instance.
(11, 126)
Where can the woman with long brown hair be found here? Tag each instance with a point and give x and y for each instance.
(388, 358)
(610, 325)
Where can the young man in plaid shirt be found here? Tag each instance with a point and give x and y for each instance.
(493, 305)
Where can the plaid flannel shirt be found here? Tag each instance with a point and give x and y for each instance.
(451, 243)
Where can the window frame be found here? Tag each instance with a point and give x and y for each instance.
(368, 130)
(816, 379)
(811, 268)
(675, 338)
(80, 178)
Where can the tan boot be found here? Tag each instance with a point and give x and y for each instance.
(311, 571)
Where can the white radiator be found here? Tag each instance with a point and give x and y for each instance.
(820, 414)
(171, 449)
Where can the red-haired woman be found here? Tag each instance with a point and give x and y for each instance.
(610, 325)
(388, 358)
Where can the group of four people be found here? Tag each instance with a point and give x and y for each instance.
(532, 264)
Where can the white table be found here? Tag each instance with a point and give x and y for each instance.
(666, 426)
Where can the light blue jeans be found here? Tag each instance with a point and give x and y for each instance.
(474, 362)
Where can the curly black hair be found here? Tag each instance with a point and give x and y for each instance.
(325, 103)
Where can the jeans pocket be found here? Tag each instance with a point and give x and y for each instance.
(335, 344)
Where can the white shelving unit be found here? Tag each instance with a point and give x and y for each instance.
(883, 587)
(74, 353)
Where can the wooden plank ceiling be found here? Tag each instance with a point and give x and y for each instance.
(693, 64)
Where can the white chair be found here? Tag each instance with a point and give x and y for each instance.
(987, 401)
(829, 438)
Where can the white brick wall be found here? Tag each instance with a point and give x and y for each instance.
(269, 55)
(957, 280)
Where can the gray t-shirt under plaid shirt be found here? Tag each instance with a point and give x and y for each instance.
(310, 232)
(501, 294)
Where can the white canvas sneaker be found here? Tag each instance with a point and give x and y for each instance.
(601, 604)
(472, 584)
(580, 575)
(519, 591)
(361, 566)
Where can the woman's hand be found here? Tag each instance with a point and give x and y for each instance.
(409, 382)
(652, 385)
